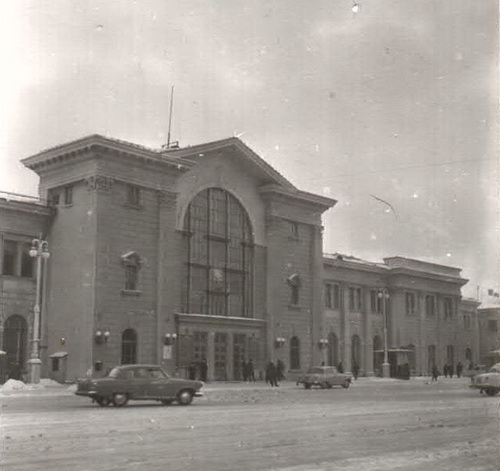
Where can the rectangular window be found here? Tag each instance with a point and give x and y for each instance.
(328, 296)
(332, 296)
(355, 299)
(375, 302)
(9, 257)
(293, 229)
(55, 364)
(430, 305)
(53, 197)
(131, 277)
(411, 305)
(68, 195)
(133, 195)
(294, 295)
(448, 308)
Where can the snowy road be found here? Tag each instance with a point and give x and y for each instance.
(376, 425)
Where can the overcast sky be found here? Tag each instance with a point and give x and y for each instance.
(391, 99)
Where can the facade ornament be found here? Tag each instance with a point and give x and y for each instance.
(99, 183)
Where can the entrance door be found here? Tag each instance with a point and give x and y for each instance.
(238, 355)
(15, 345)
(220, 356)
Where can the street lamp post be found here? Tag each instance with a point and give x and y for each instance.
(39, 250)
(383, 294)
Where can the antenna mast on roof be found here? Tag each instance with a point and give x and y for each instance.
(170, 116)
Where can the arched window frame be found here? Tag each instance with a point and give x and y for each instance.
(219, 256)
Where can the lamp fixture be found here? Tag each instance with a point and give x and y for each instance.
(169, 339)
(322, 343)
(279, 342)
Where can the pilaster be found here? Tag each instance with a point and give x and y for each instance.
(368, 337)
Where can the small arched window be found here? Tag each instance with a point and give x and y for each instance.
(294, 353)
(129, 347)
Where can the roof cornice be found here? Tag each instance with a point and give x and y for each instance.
(97, 142)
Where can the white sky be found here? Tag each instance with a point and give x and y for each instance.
(398, 100)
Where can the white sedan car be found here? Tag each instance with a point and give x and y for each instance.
(488, 382)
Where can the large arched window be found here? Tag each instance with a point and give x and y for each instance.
(294, 353)
(129, 347)
(219, 261)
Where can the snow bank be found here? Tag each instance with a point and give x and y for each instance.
(13, 385)
(16, 385)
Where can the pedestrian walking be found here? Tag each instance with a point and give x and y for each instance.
(280, 370)
(445, 370)
(460, 368)
(435, 373)
(271, 374)
(355, 369)
(251, 371)
(340, 367)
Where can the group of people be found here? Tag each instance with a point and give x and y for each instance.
(275, 373)
(200, 367)
(248, 370)
(447, 371)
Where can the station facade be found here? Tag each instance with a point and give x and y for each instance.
(205, 253)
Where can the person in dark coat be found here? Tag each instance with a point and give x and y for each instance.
(460, 368)
(244, 370)
(435, 373)
(271, 374)
(340, 367)
(280, 370)
(192, 371)
(355, 369)
(203, 369)
(251, 370)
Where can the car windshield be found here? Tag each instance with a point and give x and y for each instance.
(114, 373)
(495, 368)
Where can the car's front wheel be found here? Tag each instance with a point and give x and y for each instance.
(103, 401)
(307, 385)
(346, 384)
(185, 397)
(120, 399)
(491, 391)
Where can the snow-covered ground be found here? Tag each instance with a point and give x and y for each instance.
(376, 425)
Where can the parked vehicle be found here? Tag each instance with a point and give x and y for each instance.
(138, 382)
(324, 377)
(487, 382)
